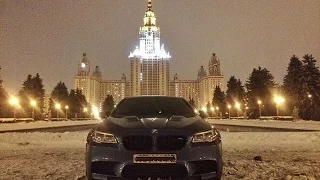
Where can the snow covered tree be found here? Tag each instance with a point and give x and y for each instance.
(310, 93)
(260, 86)
(293, 83)
(219, 100)
(77, 102)
(4, 106)
(32, 90)
(108, 105)
(235, 91)
(59, 95)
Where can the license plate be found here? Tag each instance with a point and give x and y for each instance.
(155, 158)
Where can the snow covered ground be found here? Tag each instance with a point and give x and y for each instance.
(299, 124)
(42, 124)
(280, 155)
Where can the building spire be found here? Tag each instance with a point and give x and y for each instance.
(149, 5)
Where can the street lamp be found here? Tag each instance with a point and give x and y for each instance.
(229, 107)
(259, 103)
(67, 107)
(85, 111)
(278, 100)
(238, 107)
(58, 106)
(33, 103)
(212, 110)
(217, 108)
(204, 109)
(14, 102)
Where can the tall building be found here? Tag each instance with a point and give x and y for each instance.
(200, 90)
(94, 88)
(208, 83)
(149, 61)
(150, 73)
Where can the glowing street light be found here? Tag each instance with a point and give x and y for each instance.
(204, 109)
(278, 100)
(238, 108)
(259, 103)
(212, 110)
(85, 110)
(217, 108)
(66, 107)
(33, 103)
(229, 108)
(58, 106)
(14, 102)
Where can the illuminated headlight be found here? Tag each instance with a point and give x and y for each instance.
(207, 136)
(101, 137)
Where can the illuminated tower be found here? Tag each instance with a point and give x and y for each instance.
(84, 66)
(209, 82)
(87, 82)
(149, 61)
(214, 66)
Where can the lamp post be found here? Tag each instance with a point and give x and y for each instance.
(278, 100)
(217, 108)
(212, 110)
(259, 103)
(14, 102)
(85, 111)
(33, 103)
(229, 108)
(66, 107)
(58, 106)
(238, 107)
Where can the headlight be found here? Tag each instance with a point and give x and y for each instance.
(101, 137)
(207, 136)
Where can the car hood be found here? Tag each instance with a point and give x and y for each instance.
(119, 125)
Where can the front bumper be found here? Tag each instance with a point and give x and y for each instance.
(201, 162)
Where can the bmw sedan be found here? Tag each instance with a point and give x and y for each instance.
(154, 137)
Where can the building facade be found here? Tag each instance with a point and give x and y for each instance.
(149, 61)
(150, 73)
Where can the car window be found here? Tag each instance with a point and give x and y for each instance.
(153, 107)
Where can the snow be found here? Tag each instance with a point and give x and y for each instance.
(299, 124)
(284, 155)
(42, 124)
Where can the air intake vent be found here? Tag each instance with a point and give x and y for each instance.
(170, 143)
(137, 143)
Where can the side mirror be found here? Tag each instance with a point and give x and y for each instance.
(203, 114)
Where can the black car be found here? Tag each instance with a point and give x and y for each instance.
(154, 137)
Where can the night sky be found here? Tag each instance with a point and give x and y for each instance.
(49, 37)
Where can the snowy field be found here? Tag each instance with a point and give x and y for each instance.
(42, 124)
(280, 155)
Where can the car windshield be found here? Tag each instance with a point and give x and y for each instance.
(153, 107)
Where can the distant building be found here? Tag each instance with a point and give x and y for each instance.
(150, 73)
(200, 90)
(94, 88)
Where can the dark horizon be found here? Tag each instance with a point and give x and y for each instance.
(49, 37)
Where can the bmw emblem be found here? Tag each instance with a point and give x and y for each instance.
(154, 131)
